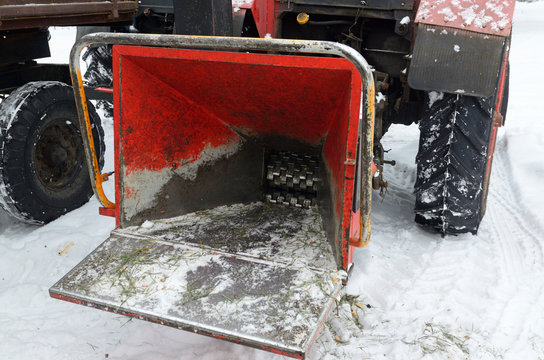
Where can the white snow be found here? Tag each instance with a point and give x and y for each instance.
(474, 14)
(405, 20)
(449, 15)
(464, 297)
(434, 96)
(147, 224)
(61, 41)
(241, 3)
(144, 185)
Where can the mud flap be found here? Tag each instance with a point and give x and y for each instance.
(460, 47)
(442, 54)
(257, 274)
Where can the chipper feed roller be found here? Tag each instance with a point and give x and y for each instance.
(243, 175)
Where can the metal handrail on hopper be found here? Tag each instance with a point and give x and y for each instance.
(235, 44)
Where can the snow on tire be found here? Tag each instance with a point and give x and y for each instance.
(99, 72)
(99, 65)
(43, 173)
(455, 133)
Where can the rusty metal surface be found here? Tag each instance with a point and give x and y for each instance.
(40, 13)
(255, 274)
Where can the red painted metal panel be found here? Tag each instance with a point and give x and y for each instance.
(355, 227)
(497, 122)
(263, 13)
(484, 16)
(106, 211)
(261, 105)
(198, 100)
(340, 153)
(157, 136)
(104, 90)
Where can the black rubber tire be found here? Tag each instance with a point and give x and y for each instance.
(43, 172)
(99, 72)
(99, 66)
(455, 133)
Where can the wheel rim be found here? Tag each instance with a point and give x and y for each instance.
(58, 154)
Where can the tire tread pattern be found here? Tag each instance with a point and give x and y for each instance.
(20, 112)
(455, 133)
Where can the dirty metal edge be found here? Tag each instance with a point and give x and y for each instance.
(118, 233)
(262, 344)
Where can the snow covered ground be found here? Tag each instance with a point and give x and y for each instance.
(464, 297)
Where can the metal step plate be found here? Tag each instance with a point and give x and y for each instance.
(258, 274)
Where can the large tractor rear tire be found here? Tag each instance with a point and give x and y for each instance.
(99, 72)
(97, 58)
(99, 66)
(43, 173)
(451, 162)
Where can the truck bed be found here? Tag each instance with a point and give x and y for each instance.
(17, 14)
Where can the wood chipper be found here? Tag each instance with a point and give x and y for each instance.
(243, 177)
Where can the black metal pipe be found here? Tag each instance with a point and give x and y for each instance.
(330, 22)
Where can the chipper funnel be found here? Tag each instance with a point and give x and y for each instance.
(239, 179)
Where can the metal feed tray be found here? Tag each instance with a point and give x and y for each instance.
(258, 274)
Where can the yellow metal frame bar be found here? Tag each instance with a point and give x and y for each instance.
(370, 97)
(98, 177)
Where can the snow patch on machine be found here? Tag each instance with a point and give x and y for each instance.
(493, 16)
(434, 96)
(141, 187)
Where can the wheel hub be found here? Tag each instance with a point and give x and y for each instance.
(58, 154)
